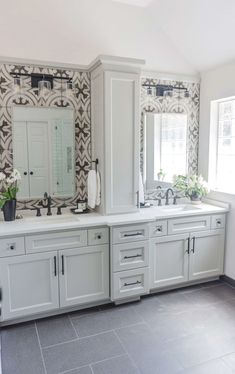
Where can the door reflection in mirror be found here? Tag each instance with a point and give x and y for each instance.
(43, 151)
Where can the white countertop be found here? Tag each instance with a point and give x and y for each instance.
(31, 224)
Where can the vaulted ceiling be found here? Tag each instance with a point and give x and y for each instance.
(176, 36)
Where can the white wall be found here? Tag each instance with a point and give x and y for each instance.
(217, 84)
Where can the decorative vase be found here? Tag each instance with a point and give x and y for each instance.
(196, 199)
(9, 210)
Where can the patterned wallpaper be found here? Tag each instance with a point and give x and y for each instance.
(151, 103)
(80, 102)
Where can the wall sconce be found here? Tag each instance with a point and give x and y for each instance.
(168, 91)
(44, 88)
(42, 83)
(17, 85)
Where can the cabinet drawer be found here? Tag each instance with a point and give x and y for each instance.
(130, 283)
(56, 241)
(218, 221)
(98, 236)
(12, 247)
(158, 228)
(188, 224)
(130, 233)
(130, 255)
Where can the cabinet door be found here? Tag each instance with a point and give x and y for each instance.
(29, 284)
(39, 161)
(207, 253)
(121, 141)
(84, 275)
(20, 156)
(169, 260)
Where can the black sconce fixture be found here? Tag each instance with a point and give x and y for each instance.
(41, 81)
(164, 90)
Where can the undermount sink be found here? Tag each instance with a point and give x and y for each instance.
(179, 208)
(52, 219)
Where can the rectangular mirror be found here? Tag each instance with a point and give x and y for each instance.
(164, 148)
(43, 151)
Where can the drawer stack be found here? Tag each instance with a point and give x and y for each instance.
(129, 261)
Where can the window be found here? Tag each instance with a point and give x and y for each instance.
(225, 160)
(166, 145)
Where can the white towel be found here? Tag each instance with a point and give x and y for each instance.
(92, 188)
(141, 190)
(98, 192)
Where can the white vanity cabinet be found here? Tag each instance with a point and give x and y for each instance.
(168, 260)
(189, 251)
(29, 284)
(47, 277)
(129, 261)
(206, 254)
(84, 275)
(115, 113)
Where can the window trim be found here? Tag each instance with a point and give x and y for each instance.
(214, 145)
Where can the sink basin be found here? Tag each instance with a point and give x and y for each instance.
(52, 219)
(179, 208)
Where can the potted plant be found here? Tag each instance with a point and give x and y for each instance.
(192, 186)
(8, 190)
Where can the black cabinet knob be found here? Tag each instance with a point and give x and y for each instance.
(25, 173)
(12, 247)
(31, 173)
(98, 236)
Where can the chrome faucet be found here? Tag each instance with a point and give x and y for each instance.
(169, 190)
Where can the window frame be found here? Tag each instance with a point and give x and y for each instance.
(149, 152)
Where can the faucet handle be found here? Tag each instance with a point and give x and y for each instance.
(175, 199)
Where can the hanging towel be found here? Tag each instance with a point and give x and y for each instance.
(92, 188)
(98, 192)
(141, 190)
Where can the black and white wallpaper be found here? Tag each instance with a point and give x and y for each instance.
(176, 104)
(80, 102)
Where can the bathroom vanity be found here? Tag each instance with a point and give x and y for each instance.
(50, 265)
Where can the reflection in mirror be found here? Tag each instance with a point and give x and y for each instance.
(43, 151)
(165, 148)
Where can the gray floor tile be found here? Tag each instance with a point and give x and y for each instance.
(20, 350)
(147, 351)
(211, 295)
(230, 361)
(82, 352)
(55, 330)
(105, 321)
(212, 367)
(85, 370)
(200, 348)
(118, 365)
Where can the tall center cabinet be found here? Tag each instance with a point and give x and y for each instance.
(115, 108)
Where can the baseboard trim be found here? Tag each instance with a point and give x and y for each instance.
(228, 280)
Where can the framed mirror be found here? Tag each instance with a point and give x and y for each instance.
(43, 151)
(165, 148)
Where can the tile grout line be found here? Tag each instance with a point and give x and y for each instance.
(90, 336)
(40, 347)
(92, 363)
(71, 322)
(130, 358)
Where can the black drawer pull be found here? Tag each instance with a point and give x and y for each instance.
(135, 234)
(131, 284)
(12, 246)
(55, 268)
(62, 260)
(159, 228)
(218, 222)
(188, 249)
(134, 256)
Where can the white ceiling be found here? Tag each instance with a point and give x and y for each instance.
(175, 36)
